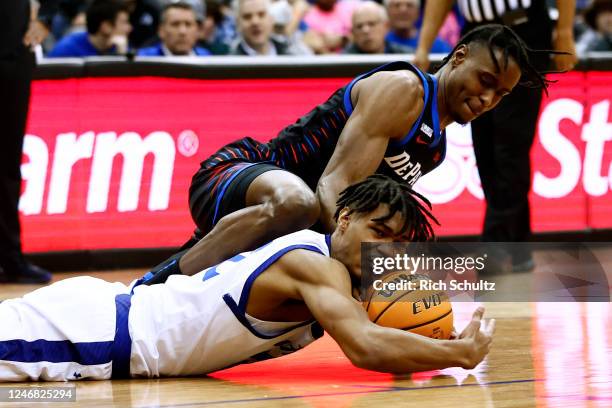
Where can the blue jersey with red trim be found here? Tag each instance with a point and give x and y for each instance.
(305, 147)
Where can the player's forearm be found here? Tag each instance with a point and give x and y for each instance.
(396, 351)
(433, 17)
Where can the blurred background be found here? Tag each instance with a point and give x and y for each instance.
(129, 96)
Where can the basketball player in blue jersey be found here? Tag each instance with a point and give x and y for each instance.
(257, 305)
(390, 120)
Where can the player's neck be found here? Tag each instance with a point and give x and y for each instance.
(443, 112)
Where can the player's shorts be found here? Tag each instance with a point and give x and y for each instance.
(221, 189)
(75, 329)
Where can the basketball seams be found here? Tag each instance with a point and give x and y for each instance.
(369, 302)
(429, 322)
(398, 316)
(391, 304)
(414, 276)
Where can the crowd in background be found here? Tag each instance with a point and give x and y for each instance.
(269, 27)
(242, 27)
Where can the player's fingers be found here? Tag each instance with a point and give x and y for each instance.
(474, 325)
(490, 329)
(471, 329)
(478, 313)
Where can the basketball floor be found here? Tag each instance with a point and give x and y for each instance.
(544, 355)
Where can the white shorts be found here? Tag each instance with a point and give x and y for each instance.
(74, 329)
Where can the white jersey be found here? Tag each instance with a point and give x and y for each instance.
(207, 312)
(87, 328)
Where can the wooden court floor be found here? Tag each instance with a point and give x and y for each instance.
(544, 355)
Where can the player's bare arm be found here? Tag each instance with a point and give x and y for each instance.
(324, 287)
(433, 17)
(386, 106)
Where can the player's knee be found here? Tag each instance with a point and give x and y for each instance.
(298, 208)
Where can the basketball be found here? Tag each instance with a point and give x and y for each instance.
(425, 312)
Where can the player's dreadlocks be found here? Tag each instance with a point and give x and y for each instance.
(378, 189)
(502, 37)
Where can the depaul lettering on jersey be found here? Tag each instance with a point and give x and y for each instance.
(403, 167)
(424, 147)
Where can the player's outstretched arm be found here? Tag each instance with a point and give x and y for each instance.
(326, 288)
(388, 104)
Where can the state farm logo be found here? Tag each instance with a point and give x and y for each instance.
(458, 172)
(102, 148)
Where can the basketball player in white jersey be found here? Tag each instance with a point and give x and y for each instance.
(257, 305)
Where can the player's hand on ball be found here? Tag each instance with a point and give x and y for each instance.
(478, 335)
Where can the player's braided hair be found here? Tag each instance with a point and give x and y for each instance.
(366, 195)
(504, 38)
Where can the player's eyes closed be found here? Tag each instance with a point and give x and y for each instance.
(487, 80)
(379, 233)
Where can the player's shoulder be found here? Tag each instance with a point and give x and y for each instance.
(311, 267)
(402, 87)
(306, 256)
(307, 240)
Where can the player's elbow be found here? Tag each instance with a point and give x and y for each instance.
(370, 361)
(367, 353)
(364, 358)
(377, 359)
(377, 353)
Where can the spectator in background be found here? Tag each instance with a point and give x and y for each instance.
(598, 36)
(218, 31)
(287, 17)
(211, 35)
(144, 18)
(330, 23)
(369, 27)
(69, 18)
(255, 27)
(178, 32)
(403, 15)
(107, 29)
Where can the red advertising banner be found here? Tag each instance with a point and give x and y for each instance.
(108, 161)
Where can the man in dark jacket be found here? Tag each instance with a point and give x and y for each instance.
(255, 25)
(370, 27)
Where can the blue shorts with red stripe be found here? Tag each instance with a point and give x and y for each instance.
(221, 189)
